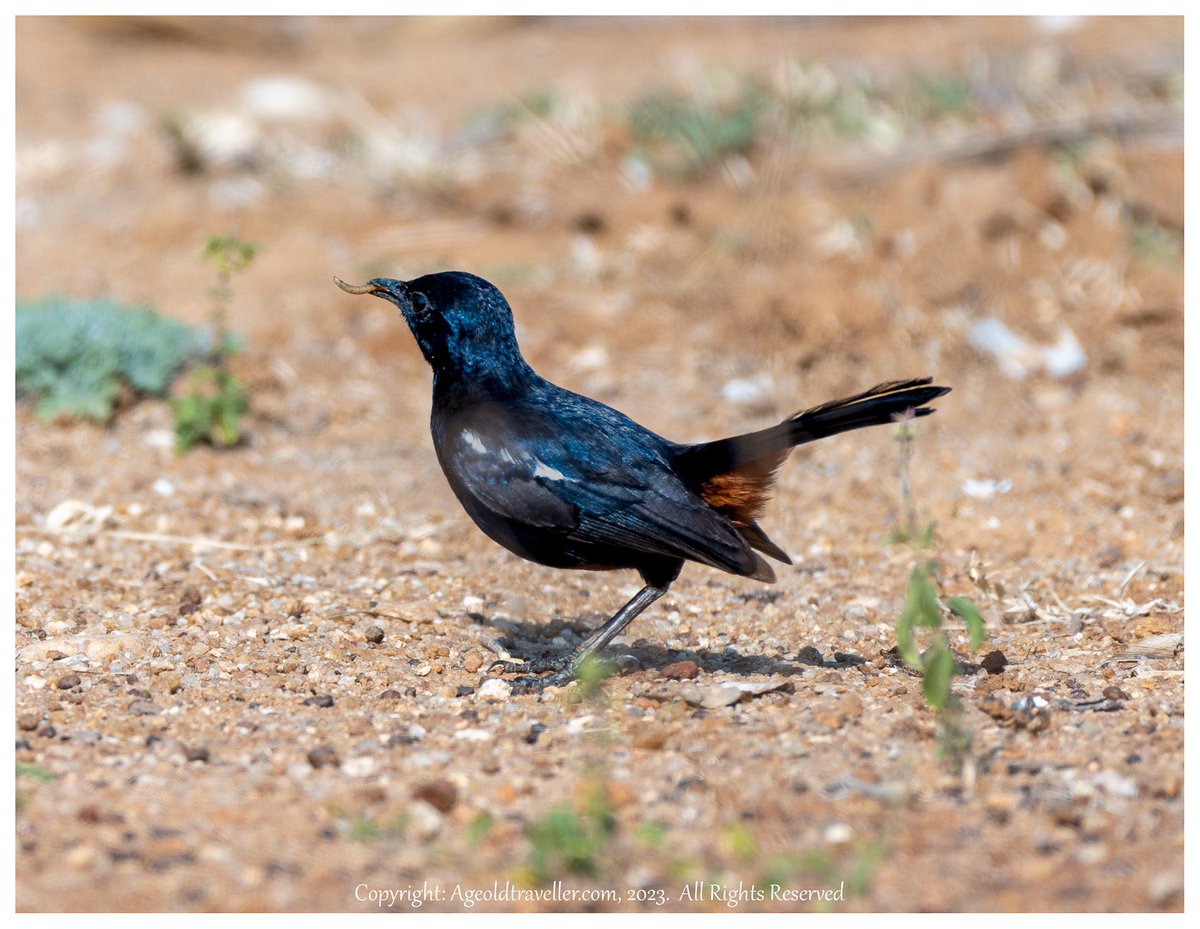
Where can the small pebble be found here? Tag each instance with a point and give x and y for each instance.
(67, 681)
(373, 634)
(390, 694)
(1001, 806)
(1165, 888)
(994, 662)
(1109, 555)
(654, 739)
(299, 770)
(143, 708)
(681, 670)
(27, 722)
(189, 600)
(424, 820)
(837, 833)
(472, 661)
(441, 795)
(322, 700)
(494, 690)
(1113, 692)
(324, 756)
(362, 766)
(81, 857)
(89, 813)
(196, 753)
(1168, 786)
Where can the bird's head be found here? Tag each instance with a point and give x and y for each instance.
(462, 323)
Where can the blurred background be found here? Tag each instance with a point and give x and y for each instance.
(707, 223)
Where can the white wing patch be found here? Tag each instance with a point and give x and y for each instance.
(549, 473)
(541, 469)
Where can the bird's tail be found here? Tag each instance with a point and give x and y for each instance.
(875, 407)
(735, 476)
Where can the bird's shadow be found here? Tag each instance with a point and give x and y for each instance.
(529, 640)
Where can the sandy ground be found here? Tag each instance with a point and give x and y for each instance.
(254, 678)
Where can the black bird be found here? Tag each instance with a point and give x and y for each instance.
(569, 482)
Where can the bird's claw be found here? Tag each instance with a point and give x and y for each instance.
(527, 685)
(535, 666)
(563, 670)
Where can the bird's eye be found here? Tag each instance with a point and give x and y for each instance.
(420, 302)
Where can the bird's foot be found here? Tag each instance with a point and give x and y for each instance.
(563, 668)
(534, 666)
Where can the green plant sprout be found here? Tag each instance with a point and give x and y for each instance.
(589, 680)
(477, 829)
(33, 772)
(573, 840)
(924, 609)
(212, 410)
(367, 828)
(693, 136)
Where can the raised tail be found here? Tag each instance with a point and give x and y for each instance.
(875, 407)
(735, 476)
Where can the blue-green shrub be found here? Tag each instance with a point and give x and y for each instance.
(72, 356)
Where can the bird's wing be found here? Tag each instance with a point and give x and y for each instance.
(602, 492)
(661, 516)
(503, 475)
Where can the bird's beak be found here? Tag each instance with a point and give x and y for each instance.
(369, 288)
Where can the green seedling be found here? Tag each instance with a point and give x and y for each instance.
(212, 409)
(689, 137)
(924, 609)
(477, 829)
(34, 773)
(573, 839)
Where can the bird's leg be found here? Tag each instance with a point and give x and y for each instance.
(566, 666)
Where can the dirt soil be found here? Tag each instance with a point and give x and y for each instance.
(255, 679)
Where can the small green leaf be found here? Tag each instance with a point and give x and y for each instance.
(968, 612)
(651, 835)
(34, 772)
(740, 841)
(478, 829)
(939, 666)
(922, 598)
(230, 253)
